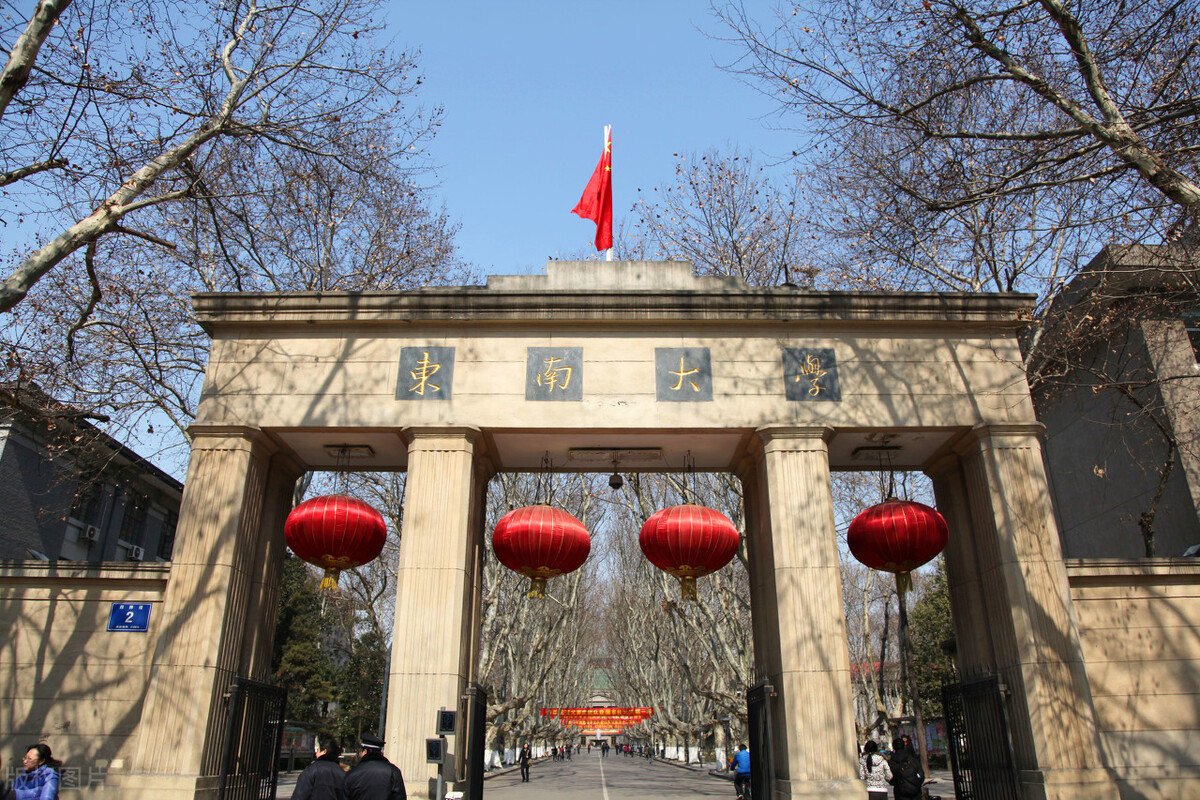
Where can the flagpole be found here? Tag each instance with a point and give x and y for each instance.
(607, 135)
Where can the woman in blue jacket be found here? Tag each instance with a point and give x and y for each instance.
(39, 781)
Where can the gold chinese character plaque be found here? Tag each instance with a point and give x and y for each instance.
(683, 374)
(810, 374)
(554, 373)
(426, 373)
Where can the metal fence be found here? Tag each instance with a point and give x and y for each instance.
(253, 735)
(762, 765)
(981, 751)
(474, 740)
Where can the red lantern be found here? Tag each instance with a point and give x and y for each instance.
(898, 536)
(540, 542)
(689, 542)
(335, 532)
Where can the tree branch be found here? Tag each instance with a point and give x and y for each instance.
(25, 49)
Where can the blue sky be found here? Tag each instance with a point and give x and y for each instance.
(527, 89)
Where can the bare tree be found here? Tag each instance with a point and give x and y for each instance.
(1103, 362)
(133, 116)
(690, 661)
(249, 148)
(991, 100)
(537, 652)
(997, 147)
(728, 217)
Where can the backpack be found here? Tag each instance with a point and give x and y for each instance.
(906, 776)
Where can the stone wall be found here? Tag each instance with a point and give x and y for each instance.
(64, 678)
(1139, 623)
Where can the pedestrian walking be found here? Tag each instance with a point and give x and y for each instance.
(741, 772)
(873, 768)
(523, 758)
(907, 778)
(324, 778)
(374, 778)
(38, 779)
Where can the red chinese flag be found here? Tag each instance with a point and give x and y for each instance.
(596, 203)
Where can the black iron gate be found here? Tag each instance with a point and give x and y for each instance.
(981, 752)
(758, 715)
(475, 740)
(253, 735)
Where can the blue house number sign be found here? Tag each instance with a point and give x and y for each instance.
(129, 617)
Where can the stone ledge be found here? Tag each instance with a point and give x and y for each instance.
(1094, 571)
(40, 572)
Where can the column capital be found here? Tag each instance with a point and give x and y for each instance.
(779, 434)
(202, 435)
(468, 433)
(994, 432)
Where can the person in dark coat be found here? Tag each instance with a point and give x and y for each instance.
(324, 778)
(907, 778)
(375, 778)
(523, 759)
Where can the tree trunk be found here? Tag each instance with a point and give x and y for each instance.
(914, 691)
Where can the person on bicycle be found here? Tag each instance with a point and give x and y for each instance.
(741, 772)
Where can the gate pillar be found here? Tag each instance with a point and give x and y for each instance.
(972, 605)
(209, 625)
(796, 603)
(1013, 610)
(436, 631)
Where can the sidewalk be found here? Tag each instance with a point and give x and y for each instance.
(939, 783)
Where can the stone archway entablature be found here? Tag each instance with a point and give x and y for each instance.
(598, 355)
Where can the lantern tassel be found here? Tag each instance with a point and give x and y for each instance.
(687, 587)
(903, 582)
(537, 588)
(330, 581)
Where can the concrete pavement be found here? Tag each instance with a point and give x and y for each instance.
(617, 777)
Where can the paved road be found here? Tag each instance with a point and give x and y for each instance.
(590, 777)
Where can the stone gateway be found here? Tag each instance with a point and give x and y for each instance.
(778, 386)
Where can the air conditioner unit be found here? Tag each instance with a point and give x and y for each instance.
(90, 533)
(137, 553)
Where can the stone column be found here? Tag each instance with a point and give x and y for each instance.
(972, 606)
(263, 607)
(203, 616)
(1030, 619)
(437, 588)
(799, 627)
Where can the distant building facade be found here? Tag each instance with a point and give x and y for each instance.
(1119, 394)
(73, 493)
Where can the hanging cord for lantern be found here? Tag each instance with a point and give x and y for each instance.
(687, 583)
(903, 578)
(544, 482)
(689, 478)
(341, 486)
(341, 466)
(890, 494)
